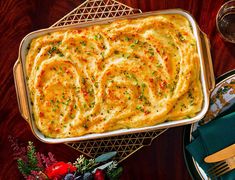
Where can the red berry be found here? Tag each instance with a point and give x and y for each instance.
(99, 175)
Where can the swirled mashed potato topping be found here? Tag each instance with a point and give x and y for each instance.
(127, 74)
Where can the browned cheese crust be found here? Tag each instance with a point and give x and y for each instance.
(127, 74)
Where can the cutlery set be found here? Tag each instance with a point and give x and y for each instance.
(224, 161)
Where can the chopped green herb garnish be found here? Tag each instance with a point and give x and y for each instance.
(97, 36)
(72, 116)
(63, 95)
(85, 126)
(159, 65)
(160, 93)
(127, 38)
(139, 108)
(92, 105)
(67, 102)
(91, 91)
(102, 54)
(83, 80)
(130, 76)
(57, 51)
(180, 36)
(143, 85)
(136, 41)
(190, 95)
(191, 27)
(96, 84)
(127, 55)
(52, 50)
(132, 45)
(151, 51)
(83, 43)
(183, 105)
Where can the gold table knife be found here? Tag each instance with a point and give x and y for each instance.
(221, 155)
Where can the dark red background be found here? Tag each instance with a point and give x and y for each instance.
(164, 158)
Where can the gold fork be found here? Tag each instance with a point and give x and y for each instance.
(222, 167)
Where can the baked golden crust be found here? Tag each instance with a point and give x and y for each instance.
(127, 74)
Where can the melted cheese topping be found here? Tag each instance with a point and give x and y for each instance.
(127, 74)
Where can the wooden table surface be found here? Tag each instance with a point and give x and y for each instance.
(164, 158)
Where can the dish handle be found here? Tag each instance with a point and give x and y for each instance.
(210, 77)
(20, 90)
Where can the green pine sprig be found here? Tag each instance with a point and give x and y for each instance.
(25, 167)
(31, 154)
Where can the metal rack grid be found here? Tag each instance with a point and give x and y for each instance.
(125, 145)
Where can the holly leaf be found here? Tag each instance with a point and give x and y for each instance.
(105, 157)
(102, 167)
(115, 173)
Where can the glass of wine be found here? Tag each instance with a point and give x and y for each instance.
(225, 21)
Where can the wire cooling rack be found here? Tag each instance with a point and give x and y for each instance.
(125, 145)
(91, 10)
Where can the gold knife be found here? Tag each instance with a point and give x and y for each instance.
(221, 155)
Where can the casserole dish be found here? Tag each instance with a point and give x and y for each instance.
(206, 77)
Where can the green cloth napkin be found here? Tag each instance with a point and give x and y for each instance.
(212, 137)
